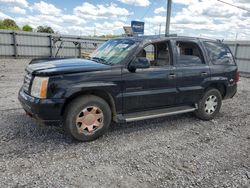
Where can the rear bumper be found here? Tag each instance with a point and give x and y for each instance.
(231, 91)
(45, 110)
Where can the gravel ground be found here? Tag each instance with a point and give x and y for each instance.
(177, 151)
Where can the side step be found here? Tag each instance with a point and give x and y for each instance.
(157, 113)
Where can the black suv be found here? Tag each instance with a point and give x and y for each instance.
(130, 79)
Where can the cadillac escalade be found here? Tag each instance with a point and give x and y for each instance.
(130, 79)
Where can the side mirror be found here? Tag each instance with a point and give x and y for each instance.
(139, 63)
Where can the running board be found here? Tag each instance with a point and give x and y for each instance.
(156, 113)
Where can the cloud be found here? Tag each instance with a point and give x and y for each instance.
(46, 8)
(210, 18)
(104, 28)
(68, 18)
(100, 11)
(193, 18)
(4, 16)
(22, 3)
(109, 19)
(142, 3)
(185, 2)
(156, 20)
(17, 10)
(159, 10)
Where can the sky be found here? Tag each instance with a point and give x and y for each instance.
(203, 18)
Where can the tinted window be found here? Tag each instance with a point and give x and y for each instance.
(219, 53)
(150, 52)
(158, 54)
(162, 54)
(189, 53)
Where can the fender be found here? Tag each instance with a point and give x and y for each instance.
(216, 80)
(101, 89)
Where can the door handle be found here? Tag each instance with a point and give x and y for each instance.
(171, 76)
(204, 74)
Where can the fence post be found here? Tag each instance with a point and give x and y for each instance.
(51, 45)
(80, 49)
(235, 50)
(15, 44)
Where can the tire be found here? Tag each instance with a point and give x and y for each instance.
(209, 105)
(87, 118)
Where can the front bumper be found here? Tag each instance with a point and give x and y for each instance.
(45, 110)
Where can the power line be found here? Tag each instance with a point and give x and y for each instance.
(242, 8)
(146, 12)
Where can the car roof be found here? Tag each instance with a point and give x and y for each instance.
(159, 38)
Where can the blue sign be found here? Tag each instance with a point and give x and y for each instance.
(137, 27)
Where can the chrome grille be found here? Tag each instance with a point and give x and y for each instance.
(27, 82)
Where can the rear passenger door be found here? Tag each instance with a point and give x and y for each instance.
(192, 71)
(222, 61)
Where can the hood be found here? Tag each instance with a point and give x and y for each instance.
(65, 66)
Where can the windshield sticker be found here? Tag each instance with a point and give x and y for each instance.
(122, 46)
(229, 55)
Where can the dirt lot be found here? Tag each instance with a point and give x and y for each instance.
(178, 151)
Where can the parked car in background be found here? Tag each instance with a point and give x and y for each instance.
(130, 79)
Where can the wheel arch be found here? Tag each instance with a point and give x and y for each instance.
(220, 86)
(99, 93)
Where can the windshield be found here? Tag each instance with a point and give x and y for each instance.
(113, 51)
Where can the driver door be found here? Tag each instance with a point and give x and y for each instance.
(150, 88)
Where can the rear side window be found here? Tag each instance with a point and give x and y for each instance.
(189, 53)
(219, 53)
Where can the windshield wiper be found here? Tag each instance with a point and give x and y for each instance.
(100, 60)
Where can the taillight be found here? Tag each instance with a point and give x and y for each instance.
(237, 76)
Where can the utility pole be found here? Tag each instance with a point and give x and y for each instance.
(169, 5)
(160, 30)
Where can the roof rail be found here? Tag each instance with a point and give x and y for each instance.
(211, 38)
(220, 40)
(157, 36)
(171, 35)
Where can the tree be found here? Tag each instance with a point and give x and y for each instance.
(45, 29)
(9, 24)
(1, 24)
(27, 28)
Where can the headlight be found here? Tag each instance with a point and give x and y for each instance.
(39, 87)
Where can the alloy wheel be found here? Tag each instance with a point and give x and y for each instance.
(211, 104)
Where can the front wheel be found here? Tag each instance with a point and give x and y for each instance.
(209, 105)
(86, 118)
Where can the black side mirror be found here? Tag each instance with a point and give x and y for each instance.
(139, 63)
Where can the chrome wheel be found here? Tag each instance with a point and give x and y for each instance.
(211, 104)
(89, 120)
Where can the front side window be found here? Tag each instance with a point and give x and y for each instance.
(114, 51)
(189, 53)
(219, 53)
(158, 54)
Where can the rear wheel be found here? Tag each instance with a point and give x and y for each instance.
(209, 105)
(87, 118)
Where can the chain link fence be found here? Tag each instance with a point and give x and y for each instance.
(29, 44)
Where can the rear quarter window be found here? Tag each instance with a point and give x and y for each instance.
(219, 53)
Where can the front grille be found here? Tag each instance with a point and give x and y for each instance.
(27, 82)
